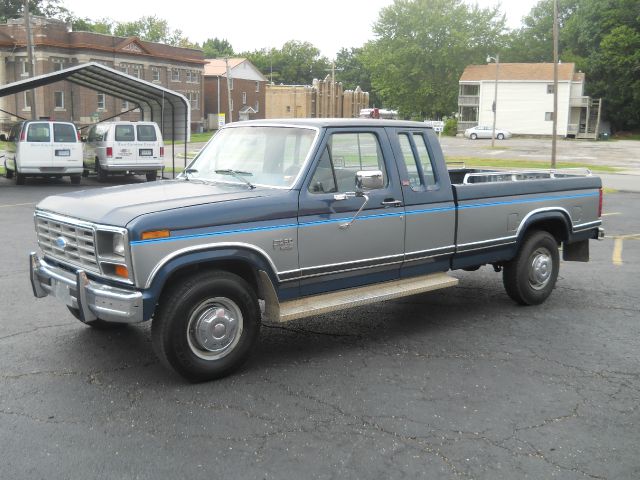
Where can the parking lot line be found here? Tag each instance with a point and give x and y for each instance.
(17, 205)
(618, 240)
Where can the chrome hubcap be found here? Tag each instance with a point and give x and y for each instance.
(541, 268)
(215, 328)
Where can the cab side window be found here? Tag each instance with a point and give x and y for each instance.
(417, 160)
(344, 155)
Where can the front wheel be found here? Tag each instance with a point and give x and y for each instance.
(151, 176)
(100, 172)
(473, 136)
(531, 276)
(500, 136)
(75, 179)
(206, 327)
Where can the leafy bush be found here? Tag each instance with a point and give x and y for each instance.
(450, 127)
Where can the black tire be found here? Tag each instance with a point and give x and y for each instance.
(473, 136)
(531, 276)
(19, 178)
(8, 173)
(100, 172)
(500, 136)
(97, 324)
(75, 179)
(215, 308)
(151, 176)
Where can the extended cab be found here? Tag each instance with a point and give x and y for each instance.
(287, 219)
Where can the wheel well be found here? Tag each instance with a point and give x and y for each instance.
(238, 267)
(555, 226)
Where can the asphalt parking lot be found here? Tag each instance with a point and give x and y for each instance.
(460, 383)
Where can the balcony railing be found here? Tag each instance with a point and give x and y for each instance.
(468, 101)
(462, 126)
(579, 102)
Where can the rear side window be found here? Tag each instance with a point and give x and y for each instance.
(146, 133)
(38, 132)
(417, 160)
(63, 132)
(124, 133)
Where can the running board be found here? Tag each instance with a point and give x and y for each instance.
(354, 297)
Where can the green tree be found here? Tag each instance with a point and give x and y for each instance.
(216, 48)
(351, 71)
(421, 49)
(104, 25)
(152, 29)
(296, 63)
(44, 8)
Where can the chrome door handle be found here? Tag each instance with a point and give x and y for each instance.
(392, 203)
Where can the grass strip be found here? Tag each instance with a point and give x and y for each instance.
(528, 164)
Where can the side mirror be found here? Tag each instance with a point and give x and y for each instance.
(369, 180)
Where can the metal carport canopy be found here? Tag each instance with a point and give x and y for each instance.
(169, 109)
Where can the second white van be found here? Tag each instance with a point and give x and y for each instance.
(124, 147)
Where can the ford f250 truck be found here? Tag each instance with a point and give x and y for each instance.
(281, 220)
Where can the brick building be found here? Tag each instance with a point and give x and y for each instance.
(322, 99)
(247, 89)
(56, 47)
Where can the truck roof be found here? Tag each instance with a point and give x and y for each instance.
(332, 122)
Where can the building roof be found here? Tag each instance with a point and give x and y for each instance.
(521, 72)
(239, 67)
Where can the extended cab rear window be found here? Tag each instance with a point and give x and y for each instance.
(146, 133)
(63, 132)
(125, 133)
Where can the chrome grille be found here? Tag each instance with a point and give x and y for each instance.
(80, 243)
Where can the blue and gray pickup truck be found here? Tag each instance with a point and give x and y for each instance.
(284, 219)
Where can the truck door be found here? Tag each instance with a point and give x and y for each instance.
(428, 198)
(339, 247)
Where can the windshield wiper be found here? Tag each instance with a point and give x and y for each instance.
(187, 171)
(239, 174)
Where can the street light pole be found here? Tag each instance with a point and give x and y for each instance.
(495, 97)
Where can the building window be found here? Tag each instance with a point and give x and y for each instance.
(27, 99)
(125, 105)
(102, 101)
(288, 109)
(24, 72)
(257, 107)
(548, 116)
(58, 100)
(257, 86)
(232, 104)
(550, 88)
(175, 75)
(244, 98)
(155, 74)
(192, 76)
(58, 64)
(231, 84)
(194, 100)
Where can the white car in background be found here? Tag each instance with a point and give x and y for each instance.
(486, 132)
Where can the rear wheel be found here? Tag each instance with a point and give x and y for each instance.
(206, 327)
(19, 178)
(473, 136)
(531, 276)
(75, 179)
(100, 172)
(8, 173)
(151, 176)
(500, 136)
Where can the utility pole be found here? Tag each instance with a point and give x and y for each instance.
(555, 85)
(31, 68)
(229, 80)
(495, 96)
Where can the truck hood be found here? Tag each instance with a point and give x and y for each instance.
(119, 205)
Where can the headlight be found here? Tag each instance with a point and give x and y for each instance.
(118, 244)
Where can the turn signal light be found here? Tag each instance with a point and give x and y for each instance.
(153, 234)
(122, 271)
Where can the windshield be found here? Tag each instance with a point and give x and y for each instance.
(257, 155)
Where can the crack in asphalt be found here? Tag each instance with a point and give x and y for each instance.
(26, 332)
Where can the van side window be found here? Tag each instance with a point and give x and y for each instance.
(64, 133)
(146, 133)
(124, 133)
(38, 132)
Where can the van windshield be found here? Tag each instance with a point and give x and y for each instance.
(262, 155)
(146, 133)
(63, 132)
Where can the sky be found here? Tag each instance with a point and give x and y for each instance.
(255, 24)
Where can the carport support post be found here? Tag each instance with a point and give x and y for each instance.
(555, 84)
(27, 24)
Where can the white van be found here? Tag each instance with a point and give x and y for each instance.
(124, 147)
(43, 148)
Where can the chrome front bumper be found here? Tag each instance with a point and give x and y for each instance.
(92, 299)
